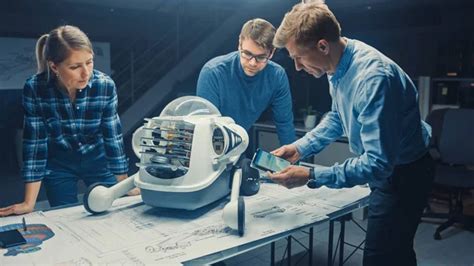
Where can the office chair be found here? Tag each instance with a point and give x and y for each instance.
(453, 152)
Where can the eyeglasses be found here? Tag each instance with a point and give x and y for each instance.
(261, 58)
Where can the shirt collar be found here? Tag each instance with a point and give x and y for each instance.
(89, 84)
(51, 83)
(344, 62)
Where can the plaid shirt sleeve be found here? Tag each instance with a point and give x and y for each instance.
(112, 132)
(35, 138)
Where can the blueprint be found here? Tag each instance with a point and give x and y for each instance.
(132, 232)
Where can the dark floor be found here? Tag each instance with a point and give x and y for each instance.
(454, 249)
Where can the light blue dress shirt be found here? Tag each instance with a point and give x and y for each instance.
(374, 104)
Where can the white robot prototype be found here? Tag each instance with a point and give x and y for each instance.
(189, 158)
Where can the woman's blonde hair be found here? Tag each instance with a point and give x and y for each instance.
(56, 46)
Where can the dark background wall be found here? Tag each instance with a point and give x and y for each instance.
(425, 37)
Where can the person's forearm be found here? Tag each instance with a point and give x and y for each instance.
(31, 192)
(327, 131)
(135, 191)
(121, 177)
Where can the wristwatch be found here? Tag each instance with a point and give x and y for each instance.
(311, 179)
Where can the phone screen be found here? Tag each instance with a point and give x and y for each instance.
(268, 162)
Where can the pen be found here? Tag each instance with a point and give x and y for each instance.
(24, 224)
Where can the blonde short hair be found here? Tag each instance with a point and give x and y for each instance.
(308, 23)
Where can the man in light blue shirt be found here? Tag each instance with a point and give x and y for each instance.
(374, 104)
(244, 83)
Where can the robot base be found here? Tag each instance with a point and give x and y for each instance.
(189, 200)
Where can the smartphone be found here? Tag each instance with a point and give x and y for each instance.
(265, 161)
(11, 238)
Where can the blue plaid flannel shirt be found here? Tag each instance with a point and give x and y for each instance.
(51, 119)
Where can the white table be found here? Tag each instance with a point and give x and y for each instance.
(132, 232)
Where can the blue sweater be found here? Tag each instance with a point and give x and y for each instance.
(224, 83)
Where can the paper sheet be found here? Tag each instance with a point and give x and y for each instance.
(131, 232)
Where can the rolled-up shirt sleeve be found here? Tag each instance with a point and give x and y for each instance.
(380, 133)
(327, 131)
(112, 132)
(35, 138)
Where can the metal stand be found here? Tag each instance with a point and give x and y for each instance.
(340, 241)
(332, 253)
(287, 253)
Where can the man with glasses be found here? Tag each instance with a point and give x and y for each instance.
(244, 83)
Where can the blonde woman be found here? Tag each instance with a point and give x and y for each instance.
(72, 130)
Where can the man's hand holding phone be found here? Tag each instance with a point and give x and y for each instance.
(292, 176)
(265, 161)
(287, 152)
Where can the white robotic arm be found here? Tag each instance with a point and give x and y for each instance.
(99, 198)
(234, 211)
